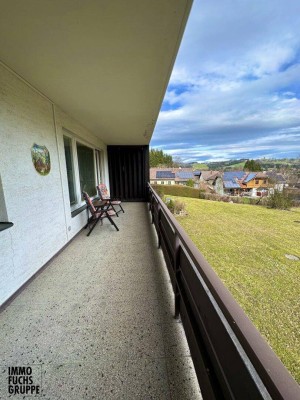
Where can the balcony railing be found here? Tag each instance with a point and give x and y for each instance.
(231, 358)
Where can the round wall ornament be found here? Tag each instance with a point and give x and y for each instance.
(41, 159)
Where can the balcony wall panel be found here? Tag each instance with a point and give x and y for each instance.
(129, 172)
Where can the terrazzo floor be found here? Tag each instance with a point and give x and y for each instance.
(98, 322)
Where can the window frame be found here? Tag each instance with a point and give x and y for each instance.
(74, 169)
(97, 162)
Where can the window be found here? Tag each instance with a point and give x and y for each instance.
(169, 182)
(256, 181)
(265, 181)
(86, 168)
(162, 182)
(83, 164)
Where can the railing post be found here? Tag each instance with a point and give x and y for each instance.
(150, 198)
(152, 208)
(177, 275)
(159, 224)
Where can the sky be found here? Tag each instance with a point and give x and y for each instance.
(235, 88)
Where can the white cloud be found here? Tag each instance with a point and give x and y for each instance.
(240, 67)
(278, 142)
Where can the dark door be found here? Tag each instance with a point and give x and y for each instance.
(128, 172)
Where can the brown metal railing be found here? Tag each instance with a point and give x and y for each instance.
(231, 359)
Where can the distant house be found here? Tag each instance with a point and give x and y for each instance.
(255, 183)
(183, 176)
(213, 179)
(231, 182)
(232, 187)
(196, 178)
(170, 176)
(162, 176)
(276, 181)
(251, 183)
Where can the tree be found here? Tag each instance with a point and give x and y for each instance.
(281, 200)
(160, 159)
(190, 183)
(252, 165)
(178, 162)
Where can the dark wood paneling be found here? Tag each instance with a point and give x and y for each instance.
(128, 172)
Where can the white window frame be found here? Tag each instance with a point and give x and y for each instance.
(98, 167)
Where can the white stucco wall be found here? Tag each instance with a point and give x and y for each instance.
(165, 182)
(37, 205)
(219, 186)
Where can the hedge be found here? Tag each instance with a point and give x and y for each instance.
(177, 190)
(185, 191)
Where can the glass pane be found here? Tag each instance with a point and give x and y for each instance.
(70, 169)
(87, 178)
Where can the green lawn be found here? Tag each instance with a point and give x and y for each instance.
(246, 246)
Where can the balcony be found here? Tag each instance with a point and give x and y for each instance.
(98, 321)
(231, 358)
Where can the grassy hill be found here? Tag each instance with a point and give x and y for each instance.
(239, 164)
(246, 246)
(200, 166)
(235, 167)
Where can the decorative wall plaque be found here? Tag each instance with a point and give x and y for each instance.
(41, 159)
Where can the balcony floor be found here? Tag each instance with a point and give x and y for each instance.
(98, 322)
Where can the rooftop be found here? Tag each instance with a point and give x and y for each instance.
(165, 174)
(231, 185)
(229, 175)
(185, 174)
(209, 175)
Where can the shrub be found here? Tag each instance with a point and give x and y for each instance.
(295, 203)
(246, 200)
(171, 205)
(279, 200)
(159, 190)
(179, 207)
(175, 206)
(201, 194)
(190, 183)
(177, 190)
(226, 199)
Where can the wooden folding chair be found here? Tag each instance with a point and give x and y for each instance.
(104, 196)
(97, 213)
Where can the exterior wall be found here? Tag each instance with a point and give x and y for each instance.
(218, 186)
(37, 205)
(251, 184)
(279, 186)
(165, 182)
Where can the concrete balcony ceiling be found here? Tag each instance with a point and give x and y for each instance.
(98, 321)
(105, 63)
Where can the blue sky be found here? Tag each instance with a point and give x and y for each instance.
(235, 87)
